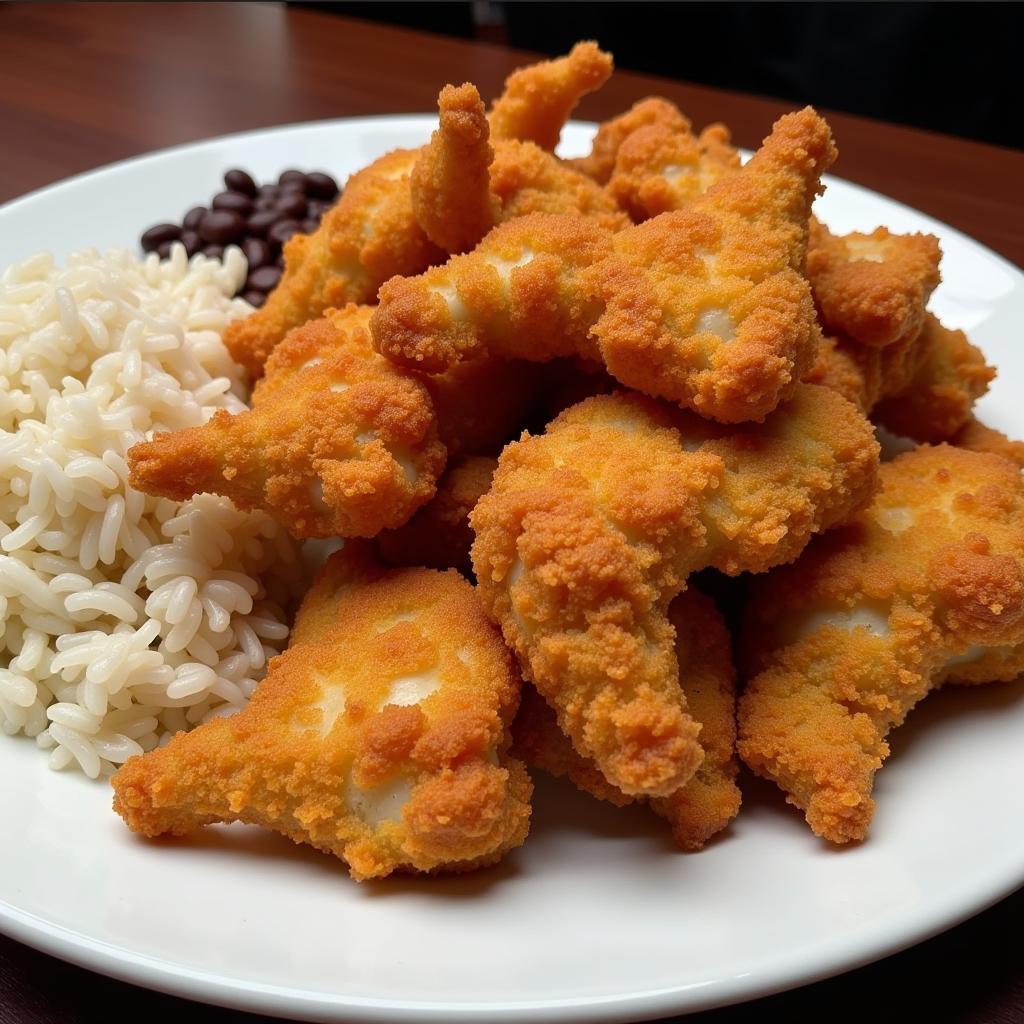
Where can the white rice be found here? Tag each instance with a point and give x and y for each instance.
(123, 618)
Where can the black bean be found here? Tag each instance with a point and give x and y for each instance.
(264, 280)
(309, 225)
(266, 202)
(191, 219)
(280, 232)
(292, 175)
(221, 226)
(279, 262)
(163, 250)
(267, 190)
(292, 205)
(254, 298)
(257, 252)
(155, 236)
(239, 181)
(234, 201)
(215, 252)
(321, 186)
(261, 222)
(317, 208)
(191, 241)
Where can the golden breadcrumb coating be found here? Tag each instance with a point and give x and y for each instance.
(872, 288)
(975, 436)
(923, 587)
(652, 110)
(450, 182)
(705, 307)
(537, 100)
(527, 179)
(439, 535)
(590, 529)
(369, 235)
(711, 799)
(923, 387)
(339, 442)
(951, 376)
(381, 740)
(462, 187)
(660, 168)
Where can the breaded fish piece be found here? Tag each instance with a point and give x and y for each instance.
(339, 442)
(705, 307)
(872, 288)
(923, 387)
(659, 168)
(652, 110)
(381, 739)
(951, 376)
(462, 186)
(537, 100)
(976, 437)
(439, 535)
(451, 196)
(369, 235)
(711, 799)
(592, 528)
(924, 587)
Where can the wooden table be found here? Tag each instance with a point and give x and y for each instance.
(82, 85)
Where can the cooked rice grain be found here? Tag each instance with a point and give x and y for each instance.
(123, 618)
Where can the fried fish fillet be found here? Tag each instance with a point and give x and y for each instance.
(591, 529)
(923, 387)
(537, 100)
(711, 799)
(706, 306)
(659, 168)
(975, 436)
(926, 586)
(462, 185)
(339, 442)
(652, 110)
(372, 234)
(872, 288)
(369, 235)
(439, 535)
(380, 737)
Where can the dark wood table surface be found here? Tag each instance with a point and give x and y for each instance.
(84, 84)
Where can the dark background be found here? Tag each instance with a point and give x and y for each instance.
(950, 67)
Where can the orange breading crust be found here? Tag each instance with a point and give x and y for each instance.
(462, 187)
(450, 182)
(951, 376)
(537, 100)
(339, 442)
(652, 110)
(976, 437)
(368, 236)
(925, 586)
(439, 535)
(705, 307)
(381, 740)
(660, 168)
(711, 799)
(591, 529)
(923, 387)
(527, 179)
(872, 288)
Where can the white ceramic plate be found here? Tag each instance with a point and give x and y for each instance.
(597, 918)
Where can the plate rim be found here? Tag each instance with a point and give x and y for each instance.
(835, 958)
